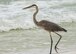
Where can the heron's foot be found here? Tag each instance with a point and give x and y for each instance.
(56, 49)
(50, 52)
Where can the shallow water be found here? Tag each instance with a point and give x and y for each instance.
(37, 41)
(19, 35)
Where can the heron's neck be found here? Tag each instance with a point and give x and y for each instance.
(34, 16)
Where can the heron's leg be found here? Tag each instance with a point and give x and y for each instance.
(57, 41)
(51, 43)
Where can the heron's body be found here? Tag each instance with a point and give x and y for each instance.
(48, 26)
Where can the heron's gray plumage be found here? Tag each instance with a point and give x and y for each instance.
(50, 26)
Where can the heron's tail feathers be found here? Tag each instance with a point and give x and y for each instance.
(64, 30)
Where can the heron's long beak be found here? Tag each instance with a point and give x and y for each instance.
(27, 7)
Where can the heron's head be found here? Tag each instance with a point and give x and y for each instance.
(30, 6)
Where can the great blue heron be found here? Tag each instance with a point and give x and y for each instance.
(48, 26)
